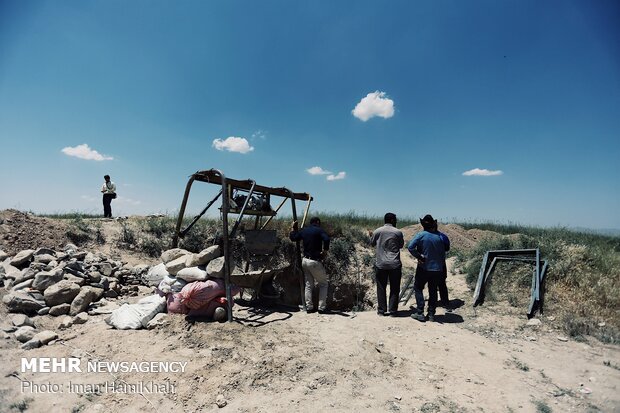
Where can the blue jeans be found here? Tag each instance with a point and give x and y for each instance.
(423, 277)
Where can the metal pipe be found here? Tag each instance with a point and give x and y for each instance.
(303, 221)
(298, 259)
(175, 238)
(197, 217)
(225, 242)
(276, 211)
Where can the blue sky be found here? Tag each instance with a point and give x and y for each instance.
(528, 88)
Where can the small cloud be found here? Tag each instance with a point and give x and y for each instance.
(374, 104)
(233, 144)
(482, 172)
(85, 152)
(88, 198)
(259, 134)
(338, 176)
(317, 170)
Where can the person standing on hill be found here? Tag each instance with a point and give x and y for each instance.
(388, 240)
(316, 245)
(109, 193)
(430, 250)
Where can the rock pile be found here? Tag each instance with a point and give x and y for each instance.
(61, 283)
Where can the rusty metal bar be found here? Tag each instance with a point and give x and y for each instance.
(197, 217)
(298, 259)
(303, 221)
(188, 187)
(276, 211)
(242, 211)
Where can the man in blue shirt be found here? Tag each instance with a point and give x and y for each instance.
(429, 247)
(316, 244)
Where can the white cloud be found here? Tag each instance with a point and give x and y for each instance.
(338, 176)
(374, 104)
(233, 144)
(83, 151)
(259, 134)
(482, 172)
(317, 170)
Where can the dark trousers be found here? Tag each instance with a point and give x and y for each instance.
(107, 205)
(423, 277)
(443, 288)
(383, 276)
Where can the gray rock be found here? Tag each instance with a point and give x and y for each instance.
(215, 268)
(140, 269)
(22, 285)
(45, 336)
(60, 309)
(533, 322)
(64, 291)
(11, 271)
(174, 266)
(29, 345)
(173, 254)
(45, 251)
(75, 279)
(25, 333)
(105, 268)
(94, 276)
(7, 328)
(24, 302)
(204, 256)
(46, 279)
(159, 320)
(86, 296)
(3, 255)
(43, 311)
(44, 258)
(20, 320)
(22, 258)
(65, 323)
(25, 274)
(70, 248)
(80, 256)
(81, 318)
(110, 294)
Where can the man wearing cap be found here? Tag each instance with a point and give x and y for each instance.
(429, 247)
(316, 245)
(388, 240)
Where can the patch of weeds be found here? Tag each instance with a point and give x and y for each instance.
(542, 407)
(519, 364)
(430, 407)
(98, 232)
(608, 363)
(77, 409)
(151, 246)
(127, 236)
(20, 406)
(79, 231)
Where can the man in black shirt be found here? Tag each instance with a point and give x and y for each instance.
(316, 245)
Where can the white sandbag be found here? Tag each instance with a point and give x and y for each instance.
(155, 275)
(171, 284)
(135, 316)
(193, 274)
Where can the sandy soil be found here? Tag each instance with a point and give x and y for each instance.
(284, 360)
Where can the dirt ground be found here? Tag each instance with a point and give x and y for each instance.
(279, 360)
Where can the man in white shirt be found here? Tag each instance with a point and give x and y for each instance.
(109, 193)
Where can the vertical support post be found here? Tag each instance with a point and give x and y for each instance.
(303, 221)
(188, 187)
(298, 256)
(225, 207)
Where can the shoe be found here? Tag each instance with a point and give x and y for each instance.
(325, 311)
(380, 313)
(430, 317)
(310, 311)
(393, 314)
(418, 316)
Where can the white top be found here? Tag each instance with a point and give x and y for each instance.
(108, 188)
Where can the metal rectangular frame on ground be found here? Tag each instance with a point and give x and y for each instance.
(490, 260)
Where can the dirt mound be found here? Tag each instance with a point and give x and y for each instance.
(460, 238)
(20, 230)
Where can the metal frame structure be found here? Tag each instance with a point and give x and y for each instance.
(489, 262)
(217, 177)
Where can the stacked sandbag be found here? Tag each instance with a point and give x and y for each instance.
(194, 281)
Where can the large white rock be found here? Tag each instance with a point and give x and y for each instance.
(25, 333)
(174, 266)
(45, 336)
(155, 275)
(20, 320)
(215, 268)
(193, 274)
(203, 257)
(173, 254)
(86, 296)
